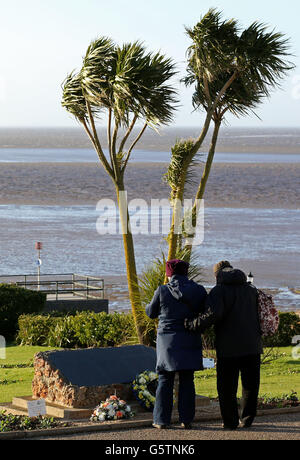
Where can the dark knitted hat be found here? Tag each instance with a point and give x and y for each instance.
(176, 267)
(221, 265)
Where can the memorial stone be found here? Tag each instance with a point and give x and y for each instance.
(82, 378)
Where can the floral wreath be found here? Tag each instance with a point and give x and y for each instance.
(144, 388)
(112, 409)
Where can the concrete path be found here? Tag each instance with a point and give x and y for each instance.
(276, 427)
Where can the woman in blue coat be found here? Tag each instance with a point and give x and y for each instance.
(178, 350)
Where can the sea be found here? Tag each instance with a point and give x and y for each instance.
(79, 155)
(263, 241)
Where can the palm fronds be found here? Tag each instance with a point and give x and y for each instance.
(127, 79)
(262, 56)
(129, 83)
(73, 99)
(153, 276)
(180, 155)
(219, 49)
(213, 47)
(241, 98)
(98, 71)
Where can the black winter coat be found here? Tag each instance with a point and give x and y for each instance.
(176, 347)
(232, 307)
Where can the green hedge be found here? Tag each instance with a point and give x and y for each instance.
(83, 329)
(14, 301)
(89, 329)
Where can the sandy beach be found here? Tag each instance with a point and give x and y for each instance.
(230, 185)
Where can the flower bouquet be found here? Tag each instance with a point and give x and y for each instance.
(112, 409)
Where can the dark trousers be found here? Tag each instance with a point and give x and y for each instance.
(228, 370)
(164, 397)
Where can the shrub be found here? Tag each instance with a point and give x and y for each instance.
(14, 301)
(90, 329)
(10, 422)
(35, 329)
(209, 342)
(289, 326)
(83, 329)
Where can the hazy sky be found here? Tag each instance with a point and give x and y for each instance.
(43, 40)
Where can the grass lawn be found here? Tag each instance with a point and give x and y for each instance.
(278, 377)
(16, 381)
(281, 376)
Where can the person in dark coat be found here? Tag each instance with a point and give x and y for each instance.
(232, 307)
(178, 350)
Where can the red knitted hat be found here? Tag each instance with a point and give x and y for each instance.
(176, 267)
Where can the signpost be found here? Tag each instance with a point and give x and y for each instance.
(39, 247)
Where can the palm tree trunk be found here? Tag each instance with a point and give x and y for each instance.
(176, 220)
(173, 235)
(203, 183)
(132, 279)
(209, 161)
(177, 201)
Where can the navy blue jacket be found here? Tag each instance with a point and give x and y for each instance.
(176, 347)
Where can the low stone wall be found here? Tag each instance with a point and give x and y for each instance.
(50, 384)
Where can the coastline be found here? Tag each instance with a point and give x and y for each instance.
(116, 290)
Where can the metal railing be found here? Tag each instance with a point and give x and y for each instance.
(58, 284)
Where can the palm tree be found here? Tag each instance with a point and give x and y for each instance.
(177, 176)
(131, 86)
(212, 51)
(231, 71)
(240, 99)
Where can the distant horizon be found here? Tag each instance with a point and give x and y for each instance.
(162, 127)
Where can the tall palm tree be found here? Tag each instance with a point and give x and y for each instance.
(232, 72)
(132, 87)
(212, 50)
